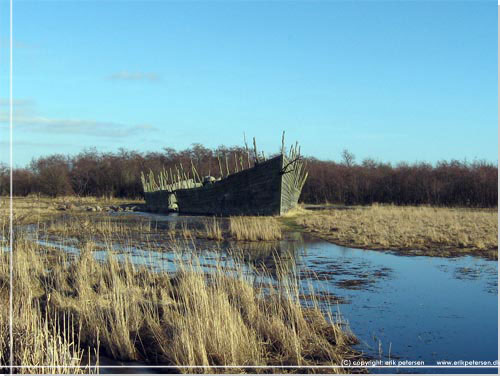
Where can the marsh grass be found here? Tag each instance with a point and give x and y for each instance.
(255, 228)
(68, 308)
(418, 230)
(100, 225)
(34, 209)
(213, 229)
(235, 228)
(186, 232)
(41, 335)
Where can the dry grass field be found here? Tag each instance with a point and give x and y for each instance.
(253, 229)
(69, 309)
(35, 209)
(415, 230)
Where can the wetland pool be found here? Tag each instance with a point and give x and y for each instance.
(415, 308)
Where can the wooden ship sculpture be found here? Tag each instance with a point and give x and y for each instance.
(257, 186)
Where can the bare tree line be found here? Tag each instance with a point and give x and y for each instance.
(90, 173)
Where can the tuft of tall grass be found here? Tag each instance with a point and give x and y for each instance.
(186, 232)
(255, 228)
(213, 229)
(43, 335)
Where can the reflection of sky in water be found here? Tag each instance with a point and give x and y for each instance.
(424, 309)
(418, 308)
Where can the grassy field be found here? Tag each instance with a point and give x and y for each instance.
(69, 309)
(35, 209)
(32, 210)
(411, 230)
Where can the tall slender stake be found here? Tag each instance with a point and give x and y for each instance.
(246, 148)
(220, 166)
(283, 143)
(255, 151)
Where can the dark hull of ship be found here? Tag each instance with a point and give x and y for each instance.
(260, 190)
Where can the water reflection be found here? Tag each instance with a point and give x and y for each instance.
(409, 307)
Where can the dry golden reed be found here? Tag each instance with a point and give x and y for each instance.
(68, 308)
(425, 230)
(213, 229)
(255, 228)
(35, 209)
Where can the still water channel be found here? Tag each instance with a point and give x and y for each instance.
(400, 307)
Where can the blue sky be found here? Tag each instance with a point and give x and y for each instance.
(395, 81)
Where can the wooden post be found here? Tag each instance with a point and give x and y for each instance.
(255, 151)
(220, 167)
(283, 143)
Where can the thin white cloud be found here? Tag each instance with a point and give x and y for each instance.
(27, 117)
(31, 144)
(135, 76)
(95, 128)
(4, 102)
